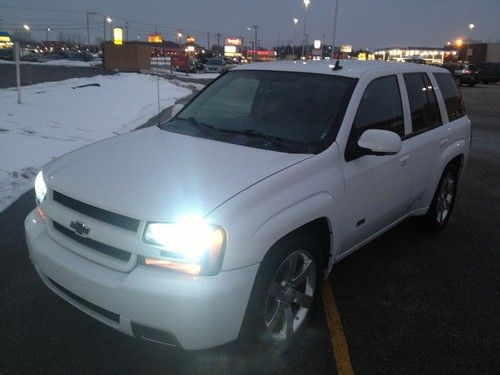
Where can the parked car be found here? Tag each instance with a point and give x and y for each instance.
(488, 72)
(224, 221)
(415, 60)
(214, 65)
(464, 73)
(192, 67)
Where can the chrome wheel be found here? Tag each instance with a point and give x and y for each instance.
(445, 197)
(290, 295)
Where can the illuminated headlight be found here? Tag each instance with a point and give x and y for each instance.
(192, 246)
(40, 187)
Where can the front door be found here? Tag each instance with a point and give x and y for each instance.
(377, 188)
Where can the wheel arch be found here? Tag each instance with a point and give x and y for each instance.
(320, 229)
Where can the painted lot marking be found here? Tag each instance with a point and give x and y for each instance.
(337, 337)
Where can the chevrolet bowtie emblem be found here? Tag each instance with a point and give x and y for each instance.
(80, 228)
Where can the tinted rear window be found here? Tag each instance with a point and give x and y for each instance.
(451, 95)
(423, 104)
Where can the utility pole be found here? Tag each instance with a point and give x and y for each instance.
(255, 27)
(88, 27)
(104, 29)
(334, 26)
(126, 31)
(218, 40)
(208, 40)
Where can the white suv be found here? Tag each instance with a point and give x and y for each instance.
(225, 219)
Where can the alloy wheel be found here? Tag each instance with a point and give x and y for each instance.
(445, 197)
(290, 295)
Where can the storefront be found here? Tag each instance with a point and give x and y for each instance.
(401, 54)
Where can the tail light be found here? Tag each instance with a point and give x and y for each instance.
(468, 71)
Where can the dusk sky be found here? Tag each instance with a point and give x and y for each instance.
(364, 24)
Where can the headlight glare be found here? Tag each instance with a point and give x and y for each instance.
(40, 187)
(191, 242)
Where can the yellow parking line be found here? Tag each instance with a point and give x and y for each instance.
(337, 337)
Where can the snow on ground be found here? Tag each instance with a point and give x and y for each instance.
(58, 117)
(59, 62)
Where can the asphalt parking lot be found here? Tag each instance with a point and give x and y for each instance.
(410, 302)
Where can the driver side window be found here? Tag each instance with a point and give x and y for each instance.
(380, 107)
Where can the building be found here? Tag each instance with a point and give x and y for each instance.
(5, 45)
(481, 52)
(431, 55)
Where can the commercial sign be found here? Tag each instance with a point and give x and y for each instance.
(346, 48)
(191, 39)
(317, 44)
(233, 41)
(155, 38)
(117, 35)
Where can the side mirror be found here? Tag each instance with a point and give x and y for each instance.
(380, 142)
(176, 109)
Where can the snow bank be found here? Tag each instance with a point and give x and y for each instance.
(58, 117)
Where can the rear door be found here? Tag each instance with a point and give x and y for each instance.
(428, 136)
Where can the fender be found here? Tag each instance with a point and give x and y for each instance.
(260, 216)
(453, 150)
(319, 205)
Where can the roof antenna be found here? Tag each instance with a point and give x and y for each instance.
(158, 87)
(337, 66)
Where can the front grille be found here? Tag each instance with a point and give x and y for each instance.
(109, 217)
(97, 246)
(99, 310)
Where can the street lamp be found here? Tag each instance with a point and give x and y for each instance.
(48, 29)
(469, 40)
(295, 21)
(109, 20)
(104, 21)
(306, 4)
(27, 28)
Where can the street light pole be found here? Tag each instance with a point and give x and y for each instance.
(306, 3)
(48, 29)
(255, 43)
(295, 20)
(334, 27)
(469, 40)
(27, 28)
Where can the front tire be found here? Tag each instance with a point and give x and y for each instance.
(285, 293)
(444, 200)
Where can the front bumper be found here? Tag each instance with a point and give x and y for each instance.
(198, 312)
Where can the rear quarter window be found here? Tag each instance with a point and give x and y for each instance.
(451, 95)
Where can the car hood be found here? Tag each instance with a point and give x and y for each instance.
(153, 174)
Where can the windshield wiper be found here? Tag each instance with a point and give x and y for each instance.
(198, 123)
(275, 141)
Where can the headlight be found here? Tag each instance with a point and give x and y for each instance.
(40, 187)
(191, 246)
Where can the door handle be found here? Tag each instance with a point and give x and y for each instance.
(444, 142)
(404, 159)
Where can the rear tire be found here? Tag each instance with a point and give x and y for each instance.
(285, 293)
(444, 200)
(458, 81)
(471, 84)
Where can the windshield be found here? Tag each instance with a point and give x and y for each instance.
(283, 111)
